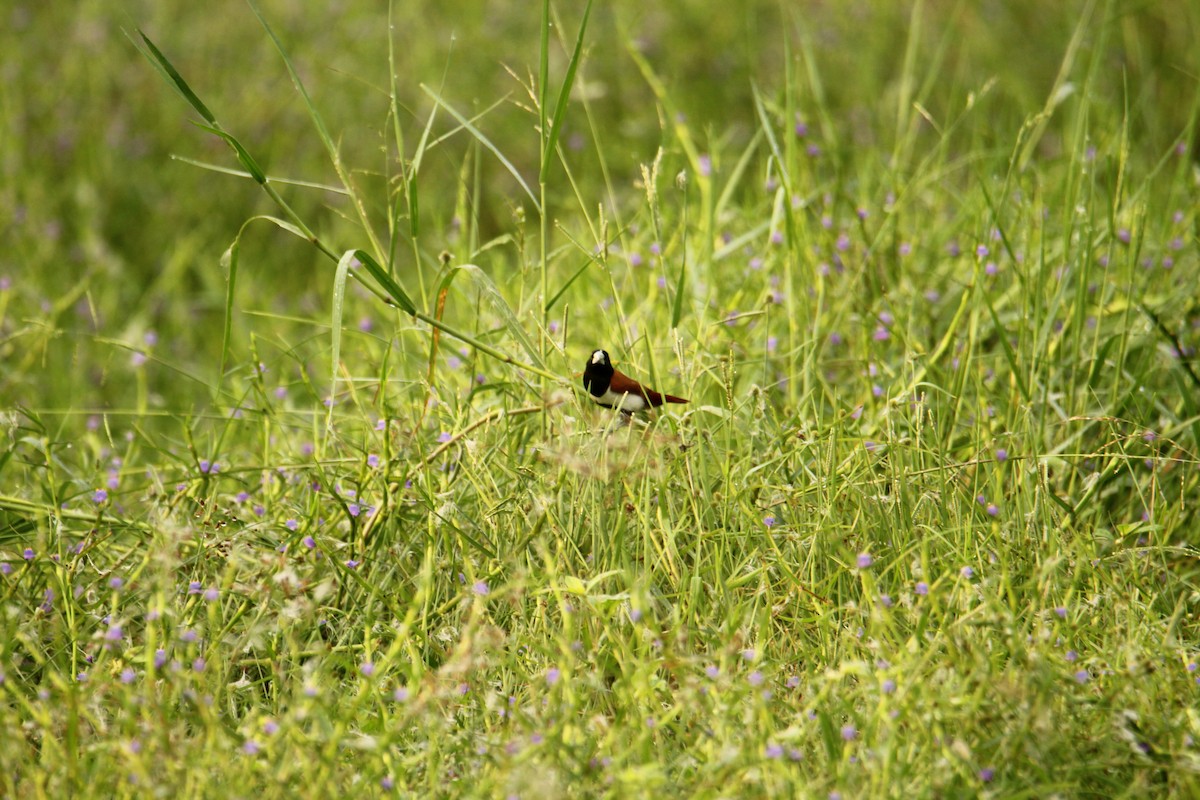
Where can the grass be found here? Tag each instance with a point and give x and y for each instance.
(925, 528)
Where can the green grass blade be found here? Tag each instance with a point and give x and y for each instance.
(385, 280)
(677, 305)
(1061, 88)
(735, 177)
(172, 76)
(229, 263)
(323, 132)
(237, 173)
(1009, 353)
(243, 155)
(768, 130)
(567, 285)
(486, 142)
(313, 113)
(564, 92)
(486, 288)
(543, 72)
(339, 299)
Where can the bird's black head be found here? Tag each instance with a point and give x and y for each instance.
(597, 373)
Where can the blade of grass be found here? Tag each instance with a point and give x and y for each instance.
(387, 289)
(339, 300)
(229, 264)
(237, 173)
(1061, 88)
(486, 142)
(172, 76)
(564, 92)
(322, 132)
(487, 289)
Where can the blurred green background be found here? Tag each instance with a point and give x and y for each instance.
(110, 247)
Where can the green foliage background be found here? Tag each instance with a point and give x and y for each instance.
(925, 529)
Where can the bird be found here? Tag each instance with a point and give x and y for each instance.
(613, 389)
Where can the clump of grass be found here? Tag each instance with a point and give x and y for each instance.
(923, 528)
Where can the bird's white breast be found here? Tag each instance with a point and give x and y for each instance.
(625, 402)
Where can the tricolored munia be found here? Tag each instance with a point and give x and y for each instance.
(610, 387)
